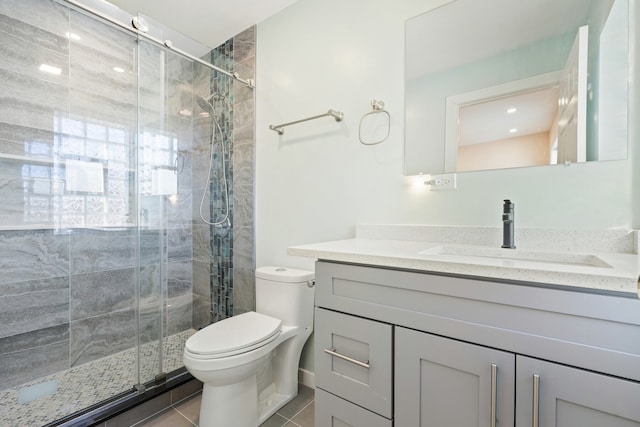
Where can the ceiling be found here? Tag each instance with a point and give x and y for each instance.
(508, 117)
(210, 22)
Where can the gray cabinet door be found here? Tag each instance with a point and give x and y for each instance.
(444, 382)
(571, 397)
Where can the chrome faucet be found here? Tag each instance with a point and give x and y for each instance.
(508, 224)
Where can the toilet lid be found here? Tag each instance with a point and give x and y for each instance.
(234, 335)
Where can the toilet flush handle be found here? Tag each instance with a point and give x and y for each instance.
(311, 283)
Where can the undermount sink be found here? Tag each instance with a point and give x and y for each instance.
(480, 253)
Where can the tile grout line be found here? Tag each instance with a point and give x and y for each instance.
(287, 420)
(305, 407)
(147, 418)
(184, 399)
(298, 413)
(175, 409)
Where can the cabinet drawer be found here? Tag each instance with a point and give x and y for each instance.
(331, 411)
(353, 359)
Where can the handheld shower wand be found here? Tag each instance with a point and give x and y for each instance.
(208, 108)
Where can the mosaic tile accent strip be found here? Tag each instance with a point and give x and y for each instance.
(88, 384)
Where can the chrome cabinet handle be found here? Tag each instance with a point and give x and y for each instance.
(536, 401)
(494, 377)
(333, 352)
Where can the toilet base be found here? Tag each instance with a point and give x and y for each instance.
(270, 401)
(230, 405)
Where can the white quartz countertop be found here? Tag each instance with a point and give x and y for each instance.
(615, 268)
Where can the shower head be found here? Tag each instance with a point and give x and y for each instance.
(205, 105)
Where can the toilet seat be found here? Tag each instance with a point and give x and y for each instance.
(234, 335)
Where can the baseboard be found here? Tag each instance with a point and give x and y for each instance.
(307, 378)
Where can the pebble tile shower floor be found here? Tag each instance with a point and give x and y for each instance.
(87, 384)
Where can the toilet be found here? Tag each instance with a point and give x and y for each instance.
(248, 363)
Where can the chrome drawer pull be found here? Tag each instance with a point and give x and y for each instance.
(333, 352)
(494, 377)
(536, 401)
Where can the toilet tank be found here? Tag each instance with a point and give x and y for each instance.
(286, 294)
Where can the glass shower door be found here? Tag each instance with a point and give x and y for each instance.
(155, 179)
(165, 199)
(98, 245)
(68, 239)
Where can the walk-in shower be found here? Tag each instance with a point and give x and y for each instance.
(107, 268)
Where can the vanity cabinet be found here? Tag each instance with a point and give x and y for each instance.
(468, 351)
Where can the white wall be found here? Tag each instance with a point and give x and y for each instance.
(317, 181)
(634, 110)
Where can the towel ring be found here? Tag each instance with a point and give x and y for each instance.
(377, 108)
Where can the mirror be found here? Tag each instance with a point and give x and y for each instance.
(492, 84)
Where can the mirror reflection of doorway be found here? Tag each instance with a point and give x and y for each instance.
(530, 122)
(504, 126)
(512, 131)
(572, 115)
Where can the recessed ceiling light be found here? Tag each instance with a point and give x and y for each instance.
(72, 36)
(512, 110)
(118, 69)
(50, 69)
(513, 130)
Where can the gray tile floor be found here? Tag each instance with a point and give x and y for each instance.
(297, 413)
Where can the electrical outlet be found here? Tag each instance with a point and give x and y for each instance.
(444, 182)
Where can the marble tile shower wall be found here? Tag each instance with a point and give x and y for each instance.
(166, 150)
(71, 259)
(244, 55)
(201, 266)
(232, 261)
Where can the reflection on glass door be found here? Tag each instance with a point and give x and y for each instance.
(166, 152)
(68, 237)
